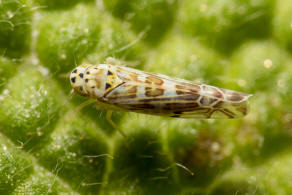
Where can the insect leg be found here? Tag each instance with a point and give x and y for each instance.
(109, 119)
(84, 104)
(98, 106)
(78, 108)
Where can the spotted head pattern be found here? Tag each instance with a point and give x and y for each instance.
(94, 81)
(77, 80)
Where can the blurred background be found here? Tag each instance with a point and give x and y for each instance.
(48, 148)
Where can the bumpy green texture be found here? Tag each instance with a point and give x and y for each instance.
(77, 152)
(7, 70)
(276, 178)
(225, 24)
(151, 17)
(58, 4)
(48, 145)
(196, 62)
(66, 37)
(37, 109)
(14, 167)
(283, 23)
(117, 41)
(15, 27)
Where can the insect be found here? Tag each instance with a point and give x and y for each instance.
(127, 89)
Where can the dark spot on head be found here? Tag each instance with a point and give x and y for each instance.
(81, 75)
(74, 71)
(87, 72)
(109, 73)
(107, 85)
(73, 79)
(86, 80)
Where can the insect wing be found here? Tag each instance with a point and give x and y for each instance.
(161, 95)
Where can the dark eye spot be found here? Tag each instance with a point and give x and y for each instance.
(86, 80)
(81, 75)
(109, 73)
(74, 71)
(73, 79)
(87, 72)
(107, 85)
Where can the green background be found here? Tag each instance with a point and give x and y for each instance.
(46, 147)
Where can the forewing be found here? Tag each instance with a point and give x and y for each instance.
(160, 95)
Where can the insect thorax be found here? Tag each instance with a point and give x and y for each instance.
(100, 79)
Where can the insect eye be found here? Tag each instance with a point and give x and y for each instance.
(74, 71)
(73, 79)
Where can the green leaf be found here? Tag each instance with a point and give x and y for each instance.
(15, 27)
(51, 144)
(224, 25)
